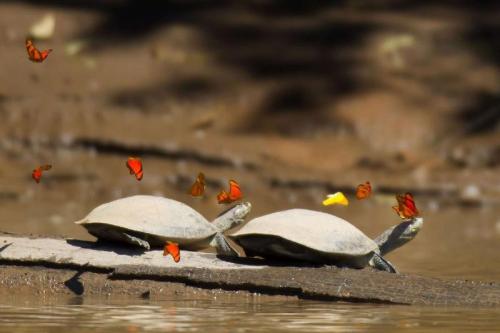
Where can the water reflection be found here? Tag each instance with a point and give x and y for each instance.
(241, 315)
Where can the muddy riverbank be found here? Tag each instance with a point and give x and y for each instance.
(45, 266)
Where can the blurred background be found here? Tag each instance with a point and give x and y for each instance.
(293, 99)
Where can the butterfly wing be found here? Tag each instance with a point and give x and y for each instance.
(37, 175)
(135, 167)
(410, 209)
(363, 191)
(223, 197)
(129, 166)
(234, 193)
(34, 54)
(172, 249)
(198, 188)
(44, 54)
(234, 190)
(396, 209)
(336, 198)
(31, 49)
(399, 208)
(406, 207)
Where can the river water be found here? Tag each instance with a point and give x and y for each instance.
(235, 316)
(461, 243)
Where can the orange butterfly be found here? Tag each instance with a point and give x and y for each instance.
(234, 193)
(363, 191)
(37, 173)
(198, 188)
(34, 54)
(172, 249)
(406, 207)
(134, 165)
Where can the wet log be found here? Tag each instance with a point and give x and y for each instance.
(207, 271)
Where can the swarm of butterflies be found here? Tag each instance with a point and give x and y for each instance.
(134, 165)
(405, 209)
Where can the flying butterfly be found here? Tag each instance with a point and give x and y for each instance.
(198, 188)
(336, 198)
(37, 172)
(134, 165)
(234, 193)
(363, 191)
(406, 207)
(172, 249)
(34, 54)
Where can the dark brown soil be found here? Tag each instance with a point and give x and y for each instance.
(328, 283)
(32, 281)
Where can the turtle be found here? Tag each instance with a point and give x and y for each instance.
(149, 221)
(317, 237)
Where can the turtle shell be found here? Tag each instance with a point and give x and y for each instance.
(307, 235)
(152, 216)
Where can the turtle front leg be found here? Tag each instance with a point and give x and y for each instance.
(378, 262)
(136, 241)
(222, 246)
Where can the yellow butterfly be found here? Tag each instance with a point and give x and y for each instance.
(336, 198)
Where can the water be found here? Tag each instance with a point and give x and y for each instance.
(241, 316)
(454, 243)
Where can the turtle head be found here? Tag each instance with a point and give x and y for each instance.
(232, 216)
(399, 234)
(412, 227)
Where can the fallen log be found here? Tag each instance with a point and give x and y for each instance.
(207, 271)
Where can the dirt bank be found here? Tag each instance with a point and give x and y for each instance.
(43, 265)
